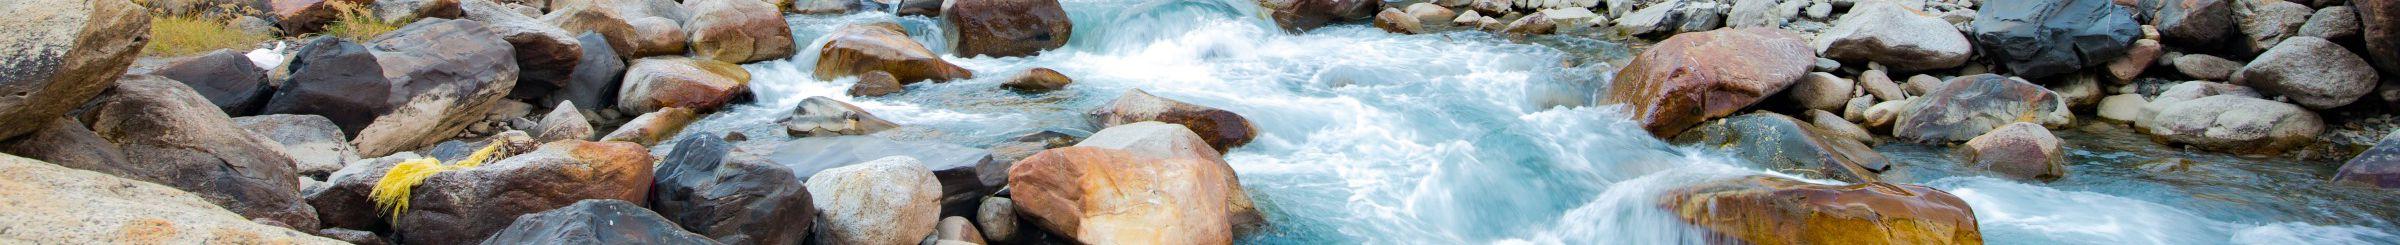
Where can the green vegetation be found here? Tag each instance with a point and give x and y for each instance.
(358, 22)
(176, 35)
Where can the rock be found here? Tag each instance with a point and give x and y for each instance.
(226, 78)
(2081, 90)
(876, 83)
(823, 6)
(1108, 196)
(1759, 13)
(1535, 24)
(2376, 167)
(1826, 65)
(563, 123)
(955, 228)
(397, 11)
(453, 151)
(2235, 124)
(1428, 14)
(1694, 77)
(2311, 71)
(699, 84)
(446, 75)
(61, 55)
(298, 17)
(596, 79)
(2194, 23)
(2122, 108)
(2380, 29)
(1171, 141)
(1004, 28)
(327, 74)
(732, 196)
(598, 221)
(50, 204)
(2136, 60)
(966, 174)
(2206, 67)
(2038, 39)
(181, 140)
(1492, 6)
(472, 204)
(1835, 126)
(1038, 80)
(649, 27)
(1881, 116)
(66, 142)
(1903, 39)
(2336, 22)
(545, 54)
(1394, 21)
(891, 200)
(1302, 15)
(859, 48)
(1224, 130)
(998, 217)
(2188, 91)
(927, 8)
(1972, 105)
(357, 237)
(2267, 24)
(739, 31)
(2020, 150)
(1856, 110)
(1879, 84)
(1775, 210)
(819, 116)
(1787, 144)
(1821, 91)
(653, 127)
(1922, 84)
(316, 146)
(344, 204)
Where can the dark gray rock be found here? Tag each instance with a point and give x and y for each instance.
(594, 83)
(226, 78)
(598, 221)
(2038, 39)
(967, 174)
(328, 75)
(2194, 22)
(732, 196)
(181, 140)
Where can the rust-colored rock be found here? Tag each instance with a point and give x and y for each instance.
(1776, 210)
(1107, 196)
(1003, 28)
(1038, 80)
(649, 129)
(659, 82)
(1693, 77)
(857, 49)
(1223, 129)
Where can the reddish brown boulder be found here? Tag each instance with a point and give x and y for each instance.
(179, 139)
(1693, 77)
(1004, 28)
(2380, 22)
(1107, 196)
(738, 31)
(1776, 210)
(858, 49)
(659, 82)
(1223, 129)
(2020, 150)
(1302, 15)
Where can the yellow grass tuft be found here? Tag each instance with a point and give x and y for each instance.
(181, 35)
(391, 193)
(357, 22)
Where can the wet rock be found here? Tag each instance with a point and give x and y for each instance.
(891, 200)
(316, 146)
(819, 116)
(563, 123)
(446, 75)
(51, 204)
(1776, 210)
(66, 142)
(1900, 38)
(1107, 196)
(598, 221)
(1394, 21)
(649, 129)
(226, 78)
(1880, 84)
(2038, 39)
(1821, 91)
(876, 83)
(1971, 105)
(731, 196)
(2235, 124)
(470, 205)
(1302, 15)
(2194, 23)
(2377, 167)
(1784, 143)
(2336, 22)
(2136, 60)
(2379, 26)
(998, 217)
(298, 17)
(1694, 77)
(2206, 67)
(61, 55)
(1004, 28)
(739, 31)
(699, 84)
(859, 48)
(1038, 80)
(544, 54)
(2020, 150)
(181, 140)
(2311, 71)
(1835, 126)
(966, 174)
(326, 76)
(2122, 108)
(2268, 23)
(1223, 129)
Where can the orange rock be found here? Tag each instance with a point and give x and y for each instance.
(858, 49)
(1774, 210)
(1107, 196)
(1693, 77)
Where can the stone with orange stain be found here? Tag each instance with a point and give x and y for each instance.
(1775, 210)
(49, 204)
(861, 48)
(465, 206)
(649, 129)
(659, 82)
(1693, 77)
(1109, 196)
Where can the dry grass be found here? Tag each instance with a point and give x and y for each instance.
(176, 35)
(358, 23)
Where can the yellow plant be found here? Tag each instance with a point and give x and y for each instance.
(180, 35)
(391, 193)
(358, 22)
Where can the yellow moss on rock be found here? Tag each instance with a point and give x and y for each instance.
(392, 192)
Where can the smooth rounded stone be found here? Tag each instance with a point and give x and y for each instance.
(2039, 39)
(1900, 38)
(1395, 21)
(597, 221)
(298, 17)
(1038, 80)
(2136, 60)
(1921, 84)
(2020, 150)
(596, 79)
(470, 205)
(1826, 65)
(2378, 167)
(1972, 105)
(2122, 108)
(656, 25)
(1535, 24)
(1786, 144)
(316, 146)
(447, 74)
(66, 142)
(2206, 67)
(822, 6)
(955, 228)
(1004, 28)
(1820, 91)
(2081, 90)
(876, 83)
(1224, 130)
(998, 217)
(327, 74)
(2312, 72)
(48, 204)
(181, 140)
(859, 48)
(1109, 196)
(1856, 110)
(891, 200)
(1172, 141)
(1880, 84)
(966, 174)
(1430, 15)
(616, 30)
(818, 116)
(61, 55)
(226, 78)
(1883, 115)
(356, 237)
(738, 31)
(2269, 23)
(648, 129)
(2379, 27)
(544, 54)
(1693, 77)
(397, 10)
(2336, 22)
(2195, 23)
(2188, 91)
(2236, 124)
(670, 81)
(1491, 6)
(1775, 210)
(1303, 15)
(564, 122)
(1834, 125)
(729, 195)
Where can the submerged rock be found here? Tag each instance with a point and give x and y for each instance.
(61, 54)
(596, 221)
(2039, 39)
(876, 83)
(860, 48)
(1776, 210)
(1787, 144)
(732, 196)
(470, 205)
(52, 204)
(1004, 28)
(1971, 105)
(818, 116)
(2312, 72)
(2377, 167)
(1038, 80)
(1108, 196)
(1693, 77)
(891, 200)
(179, 139)
(2020, 150)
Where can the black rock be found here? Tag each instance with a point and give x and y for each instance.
(226, 78)
(967, 174)
(2037, 39)
(337, 79)
(595, 221)
(732, 196)
(594, 83)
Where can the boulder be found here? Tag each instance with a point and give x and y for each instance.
(1038, 80)
(1693, 77)
(1971, 105)
(2206, 67)
(891, 200)
(66, 142)
(2038, 39)
(2194, 23)
(472, 204)
(2268, 23)
(648, 27)
(1003, 28)
(1775, 210)
(2235, 124)
(181, 140)
(2020, 150)
(966, 174)
(876, 83)
(2137, 59)
(344, 203)
(738, 31)
(1766, 14)
(2122, 108)
(60, 55)
(226, 78)
(1171, 141)
(1223, 129)
(699, 84)
(998, 218)
(649, 129)
(545, 54)
(1395, 21)
(596, 79)
(316, 146)
(1787, 144)
(1303, 15)
(1821, 91)
(2336, 22)
(327, 77)
(48, 204)
(1430, 15)
(2379, 26)
(597, 221)
(2377, 167)
(2188, 91)
(1108, 196)
(1900, 38)
(1668, 17)
(563, 123)
(298, 17)
(729, 195)
(818, 116)
(859, 48)
(2311, 71)
(1880, 84)
(446, 75)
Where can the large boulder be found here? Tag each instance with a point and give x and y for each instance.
(860, 48)
(1787, 144)
(731, 196)
(181, 140)
(1171, 141)
(966, 174)
(818, 116)
(2377, 167)
(445, 74)
(328, 75)
(2236, 124)
(2038, 39)
(544, 54)
(1776, 210)
(2187, 91)
(1109, 196)
(2311, 71)
(700, 84)
(2020, 150)
(1302, 15)
(2380, 27)
(318, 147)
(640, 28)
(2194, 23)
(1900, 38)
(66, 142)
(2267, 24)
(1223, 129)
(597, 221)
(469, 205)
(596, 79)
(649, 129)
(1003, 28)
(738, 31)
(891, 200)
(1693, 77)
(60, 55)
(226, 78)
(48, 204)
(1968, 106)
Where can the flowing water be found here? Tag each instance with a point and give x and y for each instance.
(1465, 138)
